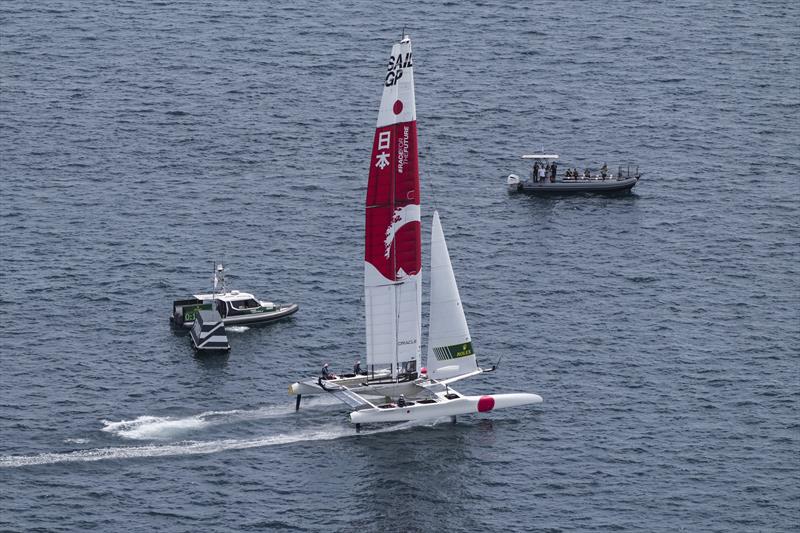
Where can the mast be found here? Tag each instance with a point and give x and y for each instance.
(393, 253)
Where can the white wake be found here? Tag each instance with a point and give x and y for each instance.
(150, 427)
(186, 448)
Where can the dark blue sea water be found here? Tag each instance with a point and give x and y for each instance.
(141, 140)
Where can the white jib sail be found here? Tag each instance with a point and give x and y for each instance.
(450, 350)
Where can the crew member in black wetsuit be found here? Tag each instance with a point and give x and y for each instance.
(536, 171)
(357, 369)
(553, 168)
(401, 401)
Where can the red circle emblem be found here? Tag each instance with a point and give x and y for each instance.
(397, 107)
(485, 403)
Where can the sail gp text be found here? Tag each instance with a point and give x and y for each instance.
(396, 66)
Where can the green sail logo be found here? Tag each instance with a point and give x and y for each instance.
(453, 352)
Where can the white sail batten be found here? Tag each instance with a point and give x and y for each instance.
(450, 350)
(393, 254)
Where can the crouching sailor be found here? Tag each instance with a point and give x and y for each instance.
(357, 369)
(326, 372)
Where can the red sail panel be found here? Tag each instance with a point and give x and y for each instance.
(393, 244)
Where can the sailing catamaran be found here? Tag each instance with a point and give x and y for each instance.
(393, 287)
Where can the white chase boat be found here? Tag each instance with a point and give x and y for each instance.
(393, 288)
(234, 307)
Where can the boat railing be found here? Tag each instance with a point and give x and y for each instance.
(629, 171)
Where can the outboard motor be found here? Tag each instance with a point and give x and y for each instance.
(514, 183)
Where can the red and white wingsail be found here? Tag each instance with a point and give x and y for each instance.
(393, 254)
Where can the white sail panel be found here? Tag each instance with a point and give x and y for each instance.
(393, 321)
(380, 322)
(450, 350)
(398, 103)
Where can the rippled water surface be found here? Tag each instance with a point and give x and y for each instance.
(140, 140)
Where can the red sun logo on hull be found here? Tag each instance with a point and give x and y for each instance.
(485, 404)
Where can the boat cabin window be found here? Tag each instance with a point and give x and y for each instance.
(246, 304)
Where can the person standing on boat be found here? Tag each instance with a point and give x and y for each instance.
(553, 168)
(536, 171)
(541, 174)
(604, 171)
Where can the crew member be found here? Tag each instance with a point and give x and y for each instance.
(536, 171)
(553, 168)
(604, 171)
(357, 369)
(401, 401)
(326, 372)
